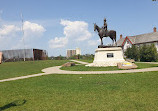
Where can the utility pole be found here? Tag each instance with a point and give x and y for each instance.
(23, 34)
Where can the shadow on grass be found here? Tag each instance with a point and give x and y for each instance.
(13, 104)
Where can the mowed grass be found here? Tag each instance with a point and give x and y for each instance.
(110, 92)
(145, 65)
(14, 69)
(88, 60)
(84, 68)
(139, 64)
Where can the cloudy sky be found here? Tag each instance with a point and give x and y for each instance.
(57, 25)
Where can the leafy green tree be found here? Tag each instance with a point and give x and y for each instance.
(154, 52)
(132, 52)
(145, 53)
(148, 53)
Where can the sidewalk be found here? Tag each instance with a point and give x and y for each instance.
(80, 62)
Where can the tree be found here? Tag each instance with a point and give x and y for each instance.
(132, 52)
(148, 53)
(145, 53)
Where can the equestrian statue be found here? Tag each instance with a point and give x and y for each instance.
(103, 32)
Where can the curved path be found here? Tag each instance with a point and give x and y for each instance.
(57, 70)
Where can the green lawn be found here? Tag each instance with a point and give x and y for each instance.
(145, 65)
(84, 68)
(14, 69)
(89, 61)
(110, 92)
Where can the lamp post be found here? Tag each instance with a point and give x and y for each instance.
(23, 34)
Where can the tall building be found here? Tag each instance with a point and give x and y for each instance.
(72, 52)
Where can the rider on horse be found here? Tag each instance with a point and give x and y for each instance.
(105, 27)
(103, 32)
(105, 24)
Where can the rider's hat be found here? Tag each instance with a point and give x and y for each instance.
(104, 19)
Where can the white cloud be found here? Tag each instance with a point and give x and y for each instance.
(12, 37)
(8, 29)
(8, 34)
(74, 31)
(32, 33)
(77, 30)
(33, 29)
(58, 42)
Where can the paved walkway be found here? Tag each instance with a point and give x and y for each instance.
(56, 70)
(80, 62)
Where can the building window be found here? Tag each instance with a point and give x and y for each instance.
(127, 42)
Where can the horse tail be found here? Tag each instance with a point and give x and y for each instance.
(115, 36)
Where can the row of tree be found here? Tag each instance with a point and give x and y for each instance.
(144, 53)
(86, 56)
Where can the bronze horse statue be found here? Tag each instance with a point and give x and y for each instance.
(105, 33)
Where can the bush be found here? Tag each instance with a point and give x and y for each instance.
(59, 58)
(148, 53)
(88, 56)
(133, 53)
(145, 53)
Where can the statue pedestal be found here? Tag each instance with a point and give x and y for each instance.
(107, 57)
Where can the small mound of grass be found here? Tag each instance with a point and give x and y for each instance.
(110, 68)
(86, 60)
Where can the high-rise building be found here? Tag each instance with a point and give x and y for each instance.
(72, 52)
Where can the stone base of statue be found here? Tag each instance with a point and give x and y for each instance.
(108, 56)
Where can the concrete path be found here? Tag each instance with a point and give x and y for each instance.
(22, 77)
(56, 70)
(80, 62)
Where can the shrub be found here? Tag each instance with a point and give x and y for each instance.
(148, 53)
(145, 53)
(133, 53)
